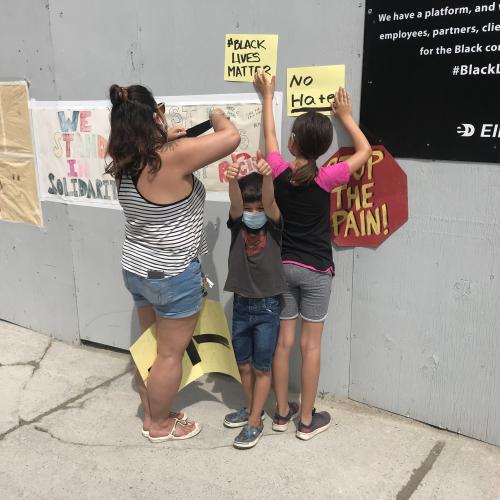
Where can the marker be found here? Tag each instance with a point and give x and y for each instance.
(198, 129)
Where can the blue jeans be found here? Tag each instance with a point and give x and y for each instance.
(256, 324)
(173, 297)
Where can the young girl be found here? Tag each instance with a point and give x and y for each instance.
(302, 192)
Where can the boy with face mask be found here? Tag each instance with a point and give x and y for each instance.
(257, 279)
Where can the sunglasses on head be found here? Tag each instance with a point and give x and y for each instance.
(161, 107)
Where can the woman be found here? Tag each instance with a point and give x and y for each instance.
(163, 203)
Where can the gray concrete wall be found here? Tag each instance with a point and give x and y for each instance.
(422, 310)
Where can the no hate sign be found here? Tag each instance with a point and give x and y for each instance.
(313, 88)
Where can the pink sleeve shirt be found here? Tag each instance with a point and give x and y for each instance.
(333, 175)
(328, 177)
(277, 163)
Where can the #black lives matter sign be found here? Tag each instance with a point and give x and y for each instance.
(431, 75)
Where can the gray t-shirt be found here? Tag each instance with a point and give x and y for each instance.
(255, 267)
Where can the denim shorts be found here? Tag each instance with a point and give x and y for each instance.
(173, 297)
(256, 325)
(308, 294)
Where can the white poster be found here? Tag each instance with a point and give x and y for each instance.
(72, 137)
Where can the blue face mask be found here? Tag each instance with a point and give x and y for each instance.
(254, 220)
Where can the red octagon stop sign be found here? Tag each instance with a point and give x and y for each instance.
(373, 205)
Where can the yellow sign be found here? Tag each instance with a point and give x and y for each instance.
(19, 200)
(313, 88)
(209, 351)
(245, 54)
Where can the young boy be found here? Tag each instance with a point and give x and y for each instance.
(257, 279)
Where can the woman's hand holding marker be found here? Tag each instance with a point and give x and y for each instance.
(175, 133)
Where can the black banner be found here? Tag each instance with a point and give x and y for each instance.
(431, 75)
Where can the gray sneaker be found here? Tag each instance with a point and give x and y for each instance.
(280, 423)
(320, 422)
(248, 437)
(238, 418)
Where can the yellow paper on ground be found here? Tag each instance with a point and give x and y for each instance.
(245, 54)
(313, 88)
(209, 351)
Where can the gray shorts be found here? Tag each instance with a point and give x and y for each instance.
(308, 294)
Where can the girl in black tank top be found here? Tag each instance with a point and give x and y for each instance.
(302, 192)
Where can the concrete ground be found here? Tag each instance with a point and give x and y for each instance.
(69, 428)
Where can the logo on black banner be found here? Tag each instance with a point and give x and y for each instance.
(488, 130)
(466, 130)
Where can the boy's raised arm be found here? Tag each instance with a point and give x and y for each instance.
(268, 202)
(232, 173)
(266, 88)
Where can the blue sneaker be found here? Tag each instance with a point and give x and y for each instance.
(248, 437)
(238, 418)
(280, 423)
(319, 423)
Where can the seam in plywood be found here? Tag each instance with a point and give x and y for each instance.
(51, 38)
(72, 246)
(350, 324)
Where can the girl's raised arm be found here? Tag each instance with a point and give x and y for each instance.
(342, 109)
(265, 86)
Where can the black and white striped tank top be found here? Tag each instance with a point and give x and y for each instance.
(161, 237)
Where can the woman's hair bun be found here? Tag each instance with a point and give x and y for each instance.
(117, 94)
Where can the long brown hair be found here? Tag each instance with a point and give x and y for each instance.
(312, 133)
(135, 136)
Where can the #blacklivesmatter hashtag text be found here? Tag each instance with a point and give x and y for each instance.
(471, 70)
